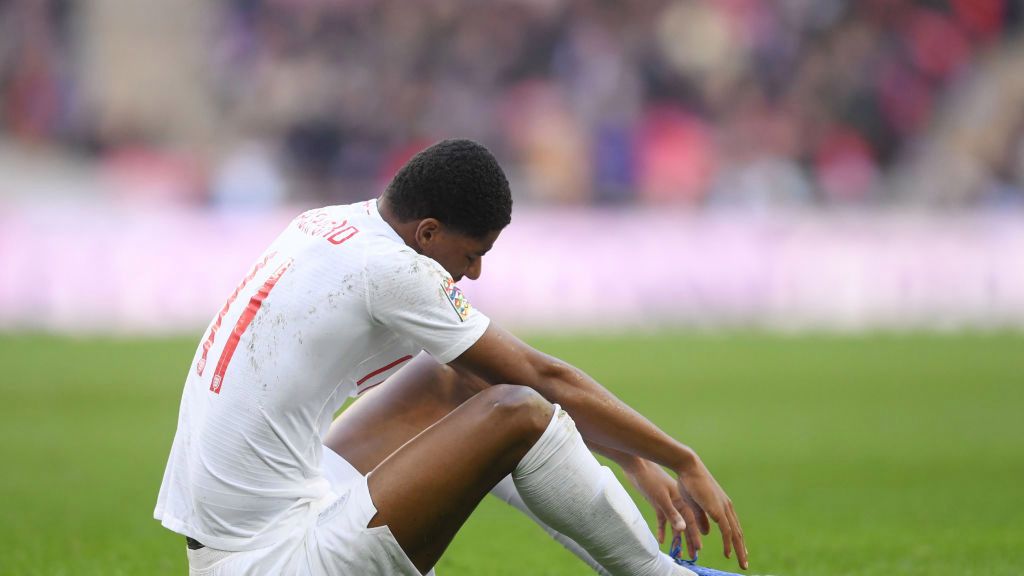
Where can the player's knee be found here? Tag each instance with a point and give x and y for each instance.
(519, 407)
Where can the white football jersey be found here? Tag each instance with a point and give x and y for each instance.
(333, 307)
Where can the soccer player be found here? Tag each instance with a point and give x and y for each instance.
(338, 304)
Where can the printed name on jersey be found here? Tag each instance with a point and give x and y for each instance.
(456, 298)
(319, 223)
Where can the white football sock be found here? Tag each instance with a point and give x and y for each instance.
(506, 491)
(567, 488)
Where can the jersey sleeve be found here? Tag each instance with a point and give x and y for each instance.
(414, 296)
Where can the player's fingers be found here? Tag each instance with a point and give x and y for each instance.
(704, 523)
(726, 528)
(692, 530)
(736, 521)
(692, 542)
(667, 505)
(692, 533)
(697, 521)
(678, 523)
(738, 542)
(701, 516)
(661, 527)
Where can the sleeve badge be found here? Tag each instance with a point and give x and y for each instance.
(456, 298)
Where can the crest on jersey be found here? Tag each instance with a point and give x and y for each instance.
(456, 298)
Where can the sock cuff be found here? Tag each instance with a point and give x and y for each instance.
(549, 443)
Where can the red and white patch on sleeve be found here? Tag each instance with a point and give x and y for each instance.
(456, 298)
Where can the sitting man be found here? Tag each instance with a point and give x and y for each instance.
(346, 299)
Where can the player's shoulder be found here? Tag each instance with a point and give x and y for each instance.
(393, 259)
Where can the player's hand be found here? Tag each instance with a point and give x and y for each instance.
(671, 506)
(702, 487)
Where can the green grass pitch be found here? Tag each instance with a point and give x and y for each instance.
(845, 455)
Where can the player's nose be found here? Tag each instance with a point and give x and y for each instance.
(473, 272)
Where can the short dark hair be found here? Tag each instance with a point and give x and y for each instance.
(458, 182)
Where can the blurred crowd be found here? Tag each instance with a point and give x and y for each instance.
(692, 102)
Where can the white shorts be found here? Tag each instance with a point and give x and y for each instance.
(338, 543)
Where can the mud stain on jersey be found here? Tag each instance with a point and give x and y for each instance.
(332, 299)
(251, 347)
(348, 282)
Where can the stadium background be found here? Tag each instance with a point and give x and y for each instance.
(791, 232)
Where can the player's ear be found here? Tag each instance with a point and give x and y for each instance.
(427, 231)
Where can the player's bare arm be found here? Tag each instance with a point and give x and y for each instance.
(603, 419)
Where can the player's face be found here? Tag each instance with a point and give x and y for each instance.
(459, 254)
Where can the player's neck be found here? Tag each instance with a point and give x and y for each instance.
(405, 230)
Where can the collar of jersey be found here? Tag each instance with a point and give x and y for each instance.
(382, 224)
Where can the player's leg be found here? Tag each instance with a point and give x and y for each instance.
(425, 490)
(428, 487)
(506, 492)
(389, 415)
(413, 399)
